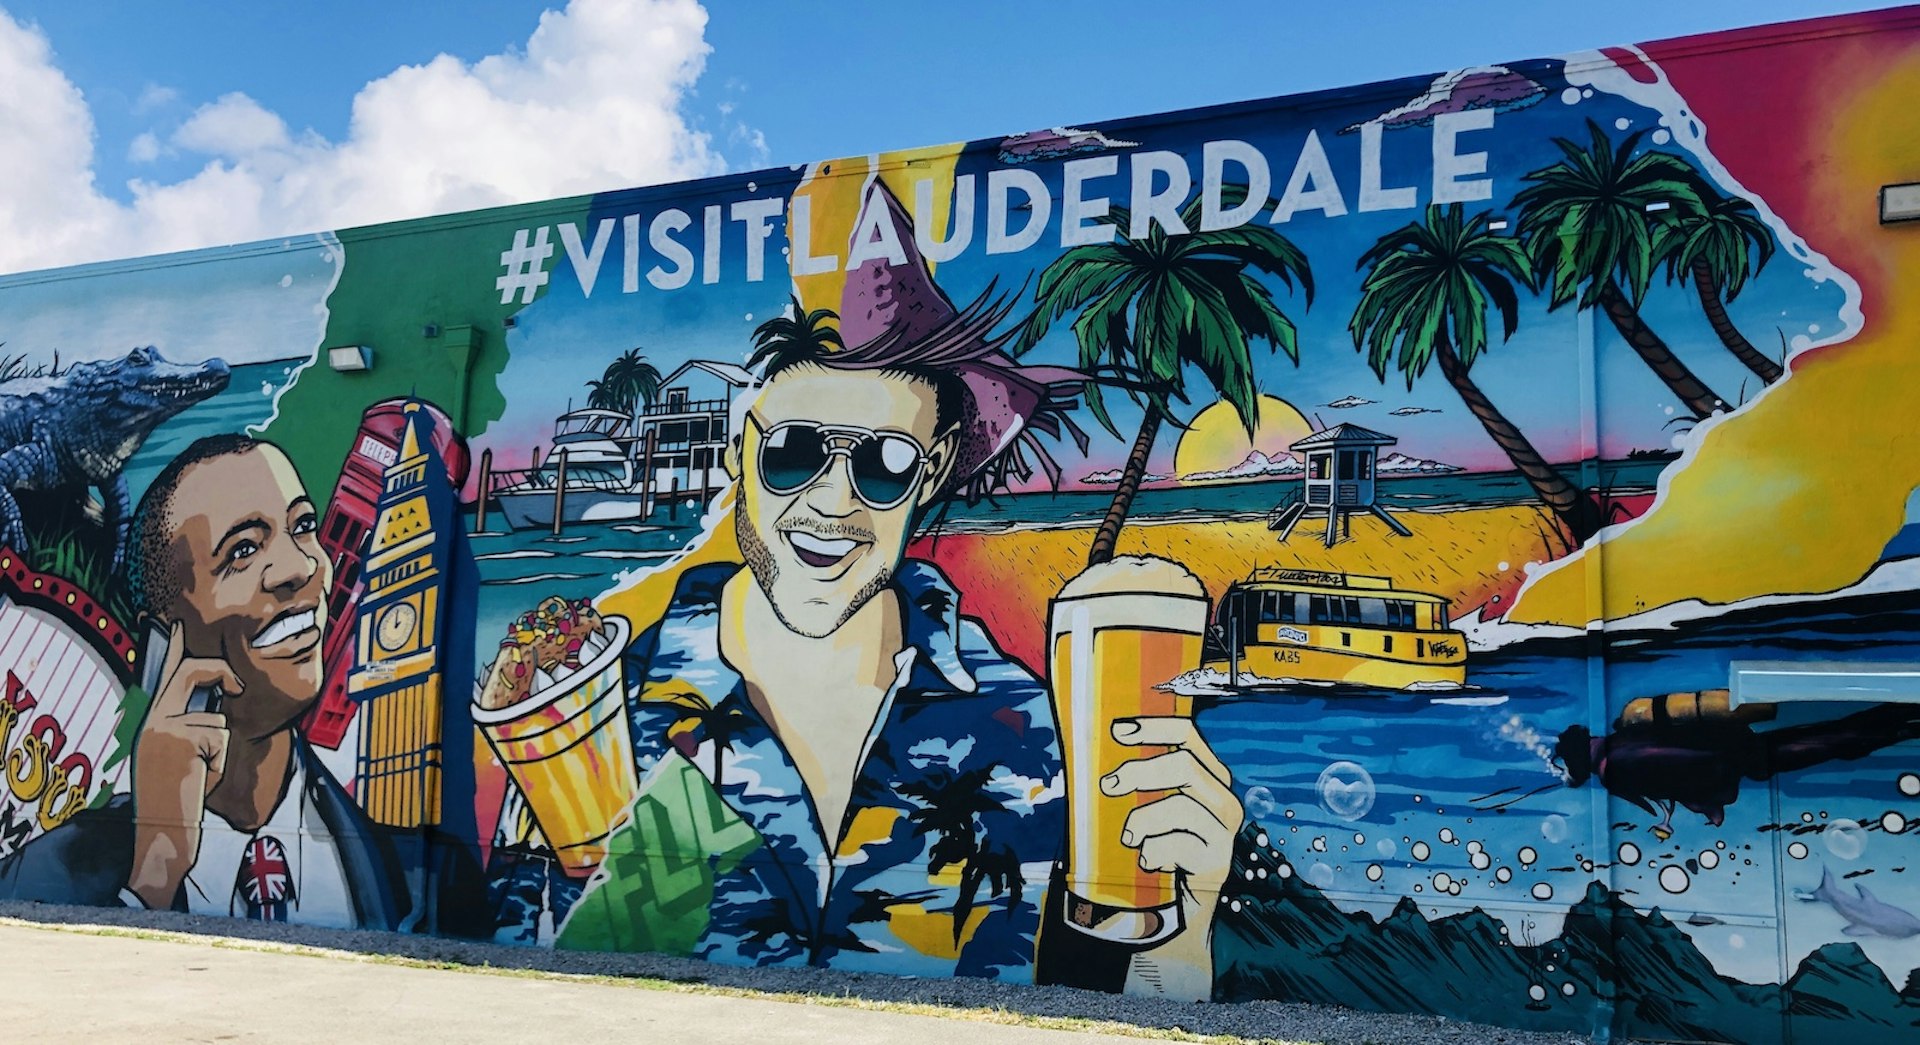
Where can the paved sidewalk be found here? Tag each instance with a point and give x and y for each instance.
(65, 986)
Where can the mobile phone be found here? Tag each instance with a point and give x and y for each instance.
(154, 658)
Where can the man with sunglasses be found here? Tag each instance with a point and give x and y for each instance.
(836, 766)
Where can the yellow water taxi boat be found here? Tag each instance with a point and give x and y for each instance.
(1334, 627)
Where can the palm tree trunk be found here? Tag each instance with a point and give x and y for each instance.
(1693, 392)
(1136, 469)
(1573, 508)
(1730, 335)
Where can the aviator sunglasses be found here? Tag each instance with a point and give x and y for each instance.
(885, 466)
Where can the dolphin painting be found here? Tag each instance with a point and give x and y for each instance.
(1865, 915)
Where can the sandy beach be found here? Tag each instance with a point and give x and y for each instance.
(1473, 557)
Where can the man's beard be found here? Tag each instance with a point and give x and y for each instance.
(765, 571)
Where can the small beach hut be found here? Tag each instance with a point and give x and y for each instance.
(1339, 480)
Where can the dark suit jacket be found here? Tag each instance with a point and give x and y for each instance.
(396, 880)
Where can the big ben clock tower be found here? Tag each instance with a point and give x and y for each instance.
(395, 675)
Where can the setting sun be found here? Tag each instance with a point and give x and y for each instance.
(1217, 441)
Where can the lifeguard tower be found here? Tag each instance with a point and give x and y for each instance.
(1339, 481)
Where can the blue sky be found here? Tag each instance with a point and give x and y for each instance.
(846, 78)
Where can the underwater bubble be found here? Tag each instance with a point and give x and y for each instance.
(1554, 828)
(1443, 882)
(1503, 875)
(1474, 846)
(1386, 848)
(1480, 861)
(1234, 905)
(1587, 866)
(1285, 872)
(1421, 851)
(1736, 941)
(1893, 823)
(1586, 92)
(1260, 839)
(1567, 989)
(1458, 884)
(1570, 96)
(1662, 136)
(1258, 803)
(1720, 844)
(1806, 818)
(1446, 835)
(1346, 790)
(1260, 872)
(1673, 878)
(1527, 855)
(1359, 839)
(1622, 124)
(1537, 992)
(1629, 853)
(1320, 875)
(1542, 891)
(1709, 859)
(1910, 785)
(1845, 839)
(1374, 872)
(1319, 844)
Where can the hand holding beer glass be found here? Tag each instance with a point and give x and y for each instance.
(1152, 811)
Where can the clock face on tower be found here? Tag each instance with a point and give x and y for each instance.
(395, 627)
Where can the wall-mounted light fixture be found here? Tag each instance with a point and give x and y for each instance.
(1658, 205)
(350, 357)
(1899, 202)
(1496, 224)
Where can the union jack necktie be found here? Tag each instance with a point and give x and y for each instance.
(266, 880)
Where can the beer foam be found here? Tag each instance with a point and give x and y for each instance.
(1135, 575)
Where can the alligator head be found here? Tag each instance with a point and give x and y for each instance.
(120, 402)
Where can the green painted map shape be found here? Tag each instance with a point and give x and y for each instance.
(654, 890)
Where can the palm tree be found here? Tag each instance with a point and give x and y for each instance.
(951, 805)
(1719, 242)
(796, 334)
(636, 381)
(601, 396)
(1584, 220)
(1425, 299)
(1151, 308)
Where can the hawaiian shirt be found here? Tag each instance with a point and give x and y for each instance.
(941, 863)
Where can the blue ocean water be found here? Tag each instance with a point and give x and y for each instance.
(1387, 795)
(247, 400)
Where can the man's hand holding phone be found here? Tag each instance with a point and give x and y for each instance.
(178, 760)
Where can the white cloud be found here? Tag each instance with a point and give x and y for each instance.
(592, 101)
(145, 148)
(235, 126)
(154, 96)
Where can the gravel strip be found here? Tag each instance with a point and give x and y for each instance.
(1253, 1020)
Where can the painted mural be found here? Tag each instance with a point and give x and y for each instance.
(1302, 550)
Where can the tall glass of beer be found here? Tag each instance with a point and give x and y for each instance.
(1119, 631)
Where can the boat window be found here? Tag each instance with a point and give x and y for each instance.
(1276, 607)
(1400, 614)
(1386, 644)
(1335, 609)
(1420, 646)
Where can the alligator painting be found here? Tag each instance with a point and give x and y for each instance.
(80, 426)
